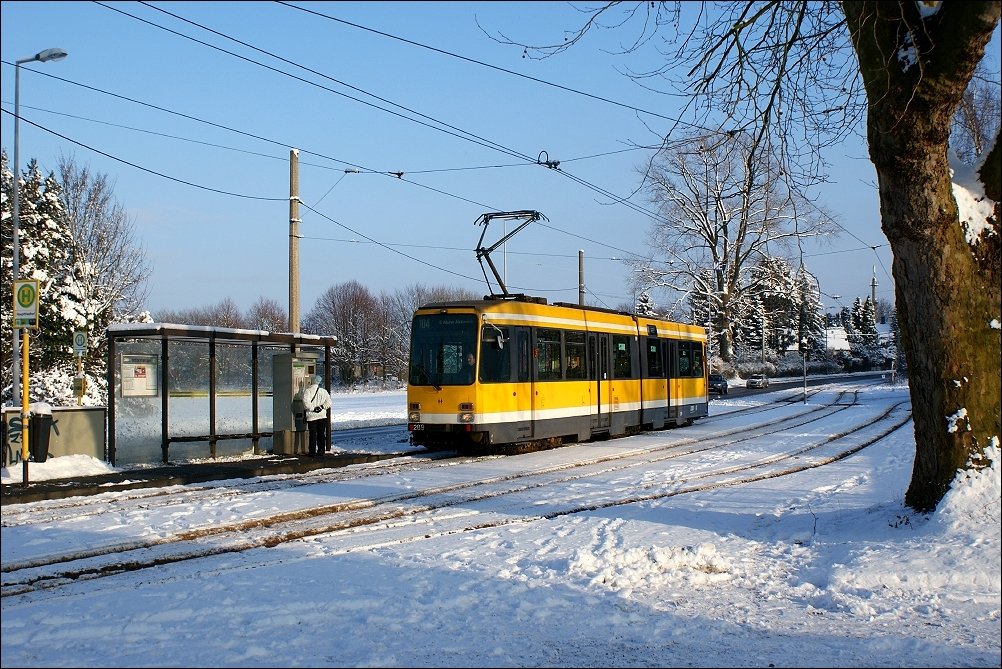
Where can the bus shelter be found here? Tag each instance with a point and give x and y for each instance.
(184, 392)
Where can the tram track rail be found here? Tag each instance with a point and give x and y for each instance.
(433, 510)
(75, 507)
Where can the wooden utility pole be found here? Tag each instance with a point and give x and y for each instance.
(294, 241)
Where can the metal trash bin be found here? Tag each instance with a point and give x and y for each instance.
(39, 428)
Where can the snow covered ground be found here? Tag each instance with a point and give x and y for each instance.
(823, 567)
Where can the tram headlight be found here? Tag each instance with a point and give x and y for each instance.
(413, 416)
(466, 417)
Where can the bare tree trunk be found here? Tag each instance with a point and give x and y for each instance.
(947, 293)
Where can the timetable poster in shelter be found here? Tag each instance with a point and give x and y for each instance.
(139, 375)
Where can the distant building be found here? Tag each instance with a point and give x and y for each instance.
(837, 340)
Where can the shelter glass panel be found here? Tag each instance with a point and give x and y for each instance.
(138, 415)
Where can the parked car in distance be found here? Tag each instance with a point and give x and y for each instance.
(718, 384)
(757, 381)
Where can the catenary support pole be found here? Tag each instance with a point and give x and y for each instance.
(294, 241)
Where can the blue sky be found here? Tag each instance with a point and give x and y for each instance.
(225, 232)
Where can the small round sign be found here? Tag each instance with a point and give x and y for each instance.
(26, 304)
(26, 295)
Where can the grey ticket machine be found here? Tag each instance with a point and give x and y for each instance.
(291, 373)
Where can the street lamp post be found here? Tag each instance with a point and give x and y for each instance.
(41, 57)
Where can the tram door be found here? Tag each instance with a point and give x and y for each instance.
(526, 398)
(600, 373)
(674, 383)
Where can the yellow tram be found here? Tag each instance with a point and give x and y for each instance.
(515, 371)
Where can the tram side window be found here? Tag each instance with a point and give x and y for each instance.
(697, 359)
(548, 355)
(495, 354)
(655, 358)
(684, 359)
(622, 361)
(574, 344)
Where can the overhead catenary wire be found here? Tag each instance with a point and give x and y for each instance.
(468, 135)
(189, 117)
(447, 128)
(390, 248)
(282, 199)
(385, 245)
(399, 174)
(537, 80)
(248, 196)
(150, 171)
(676, 120)
(465, 135)
(438, 247)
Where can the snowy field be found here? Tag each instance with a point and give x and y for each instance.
(824, 567)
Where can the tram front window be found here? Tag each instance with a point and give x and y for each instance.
(440, 344)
